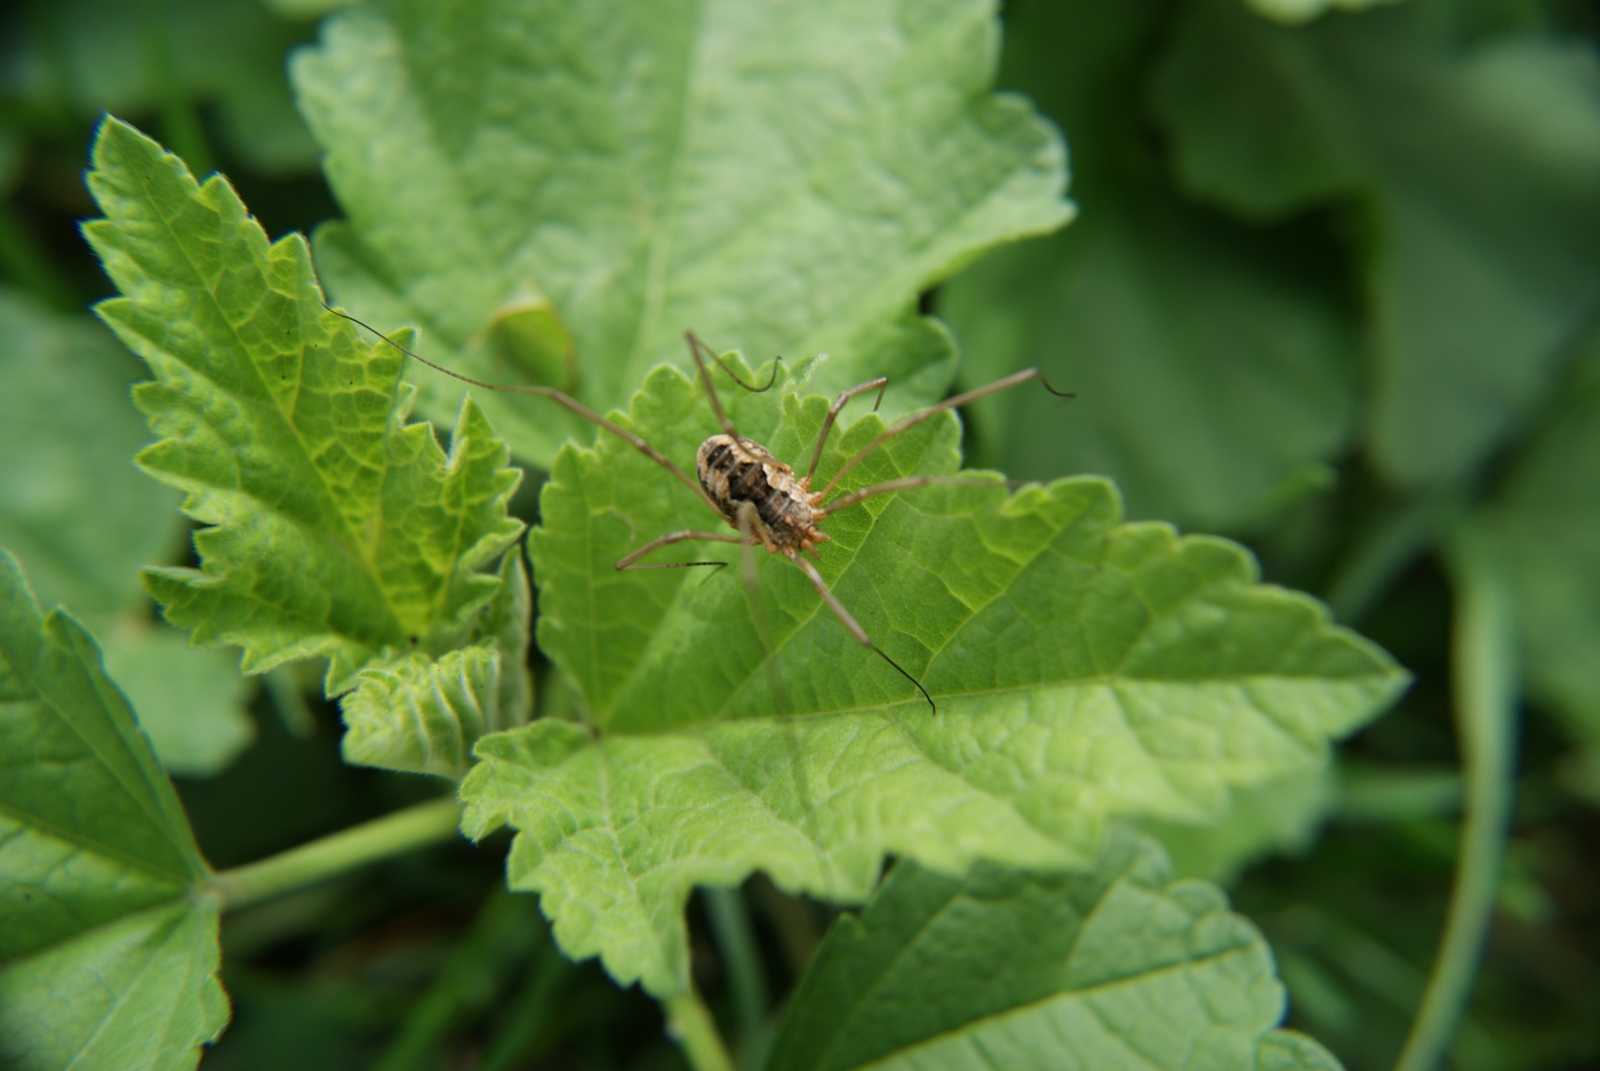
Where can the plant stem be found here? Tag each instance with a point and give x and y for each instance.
(415, 827)
(730, 925)
(1486, 685)
(689, 1023)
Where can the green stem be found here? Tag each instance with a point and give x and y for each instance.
(689, 1023)
(730, 925)
(1486, 685)
(415, 827)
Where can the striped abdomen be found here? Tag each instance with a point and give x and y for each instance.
(734, 472)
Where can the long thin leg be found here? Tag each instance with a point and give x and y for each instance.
(880, 383)
(696, 342)
(854, 627)
(949, 403)
(904, 483)
(675, 537)
(563, 400)
(695, 346)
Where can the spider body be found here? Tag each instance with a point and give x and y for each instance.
(741, 475)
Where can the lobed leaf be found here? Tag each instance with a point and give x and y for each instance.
(422, 714)
(1212, 361)
(1082, 669)
(335, 528)
(787, 175)
(107, 958)
(1118, 967)
(1480, 172)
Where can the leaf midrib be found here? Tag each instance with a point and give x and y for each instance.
(203, 193)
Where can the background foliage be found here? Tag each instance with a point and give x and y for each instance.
(1329, 291)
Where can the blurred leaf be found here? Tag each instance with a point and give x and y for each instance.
(336, 528)
(85, 520)
(304, 9)
(785, 178)
(107, 958)
(191, 701)
(76, 510)
(95, 56)
(1282, 816)
(527, 333)
(1480, 174)
(1210, 363)
(1115, 968)
(1293, 12)
(1083, 669)
(1543, 524)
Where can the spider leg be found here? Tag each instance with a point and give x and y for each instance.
(695, 346)
(854, 627)
(565, 401)
(698, 345)
(881, 383)
(949, 403)
(904, 483)
(669, 539)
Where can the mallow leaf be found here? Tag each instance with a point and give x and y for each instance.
(1214, 366)
(1479, 171)
(80, 515)
(335, 528)
(1117, 967)
(787, 177)
(1082, 669)
(108, 956)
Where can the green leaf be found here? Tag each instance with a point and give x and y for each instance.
(107, 958)
(1083, 669)
(1115, 968)
(1212, 363)
(1541, 525)
(192, 702)
(785, 178)
(77, 512)
(1282, 816)
(83, 518)
(1293, 12)
(96, 56)
(420, 714)
(335, 528)
(1479, 172)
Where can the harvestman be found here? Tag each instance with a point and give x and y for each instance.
(754, 492)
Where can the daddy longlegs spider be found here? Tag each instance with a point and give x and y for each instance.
(755, 493)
